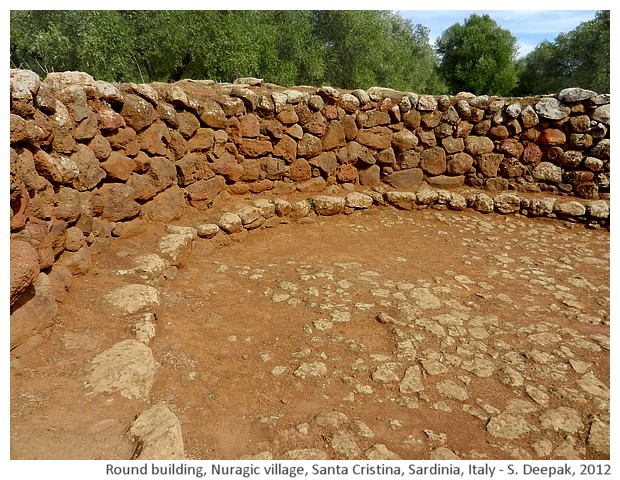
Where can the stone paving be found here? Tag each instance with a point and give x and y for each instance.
(382, 334)
(515, 336)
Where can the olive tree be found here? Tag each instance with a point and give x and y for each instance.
(579, 58)
(478, 56)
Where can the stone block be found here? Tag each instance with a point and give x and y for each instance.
(408, 180)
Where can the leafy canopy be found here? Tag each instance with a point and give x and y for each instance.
(579, 58)
(347, 49)
(478, 57)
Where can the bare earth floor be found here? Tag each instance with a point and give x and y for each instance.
(435, 334)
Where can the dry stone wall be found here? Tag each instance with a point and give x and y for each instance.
(90, 159)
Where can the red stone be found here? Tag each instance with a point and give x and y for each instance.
(552, 136)
(119, 166)
(334, 136)
(24, 268)
(512, 147)
(346, 173)
(532, 153)
(378, 138)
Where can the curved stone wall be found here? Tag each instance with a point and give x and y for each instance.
(90, 160)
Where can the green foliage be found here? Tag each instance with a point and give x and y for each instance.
(579, 58)
(377, 48)
(92, 41)
(346, 49)
(478, 57)
(539, 71)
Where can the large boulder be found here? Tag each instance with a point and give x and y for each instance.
(478, 145)
(488, 164)
(117, 201)
(602, 114)
(228, 167)
(326, 162)
(132, 298)
(202, 193)
(253, 147)
(74, 98)
(57, 169)
(300, 170)
(24, 85)
(34, 311)
(166, 206)
(453, 145)
(404, 140)
(446, 181)
(532, 153)
(316, 124)
(328, 205)
(547, 172)
(230, 222)
(137, 112)
(378, 138)
(89, 170)
(405, 180)
(63, 128)
(286, 148)
(127, 367)
(162, 171)
(575, 94)
(159, 435)
(370, 177)
(346, 173)
(155, 139)
(24, 268)
(529, 117)
(119, 166)
(433, 161)
(459, 163)
(193, 167)
(213, 115)
(358, 200)
(552, 109)
(552, 136)
(309, 146)
(334, 136)
(507, 202)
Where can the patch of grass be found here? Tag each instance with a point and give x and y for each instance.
(208, 395)
(312, 203)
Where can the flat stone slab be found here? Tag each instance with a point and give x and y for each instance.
(306, 454)
(380, 452)
(159, 435)
(132, 298)
(412, 381)
(508, 425)
(147, 266)
(127, 367)
(598, 438)
(207, 230)
(358, 200)
(326, 205)
(562, 419)
(179, 230)
(316, 369)
(402, 200)
(344, 444)
(173, 245)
